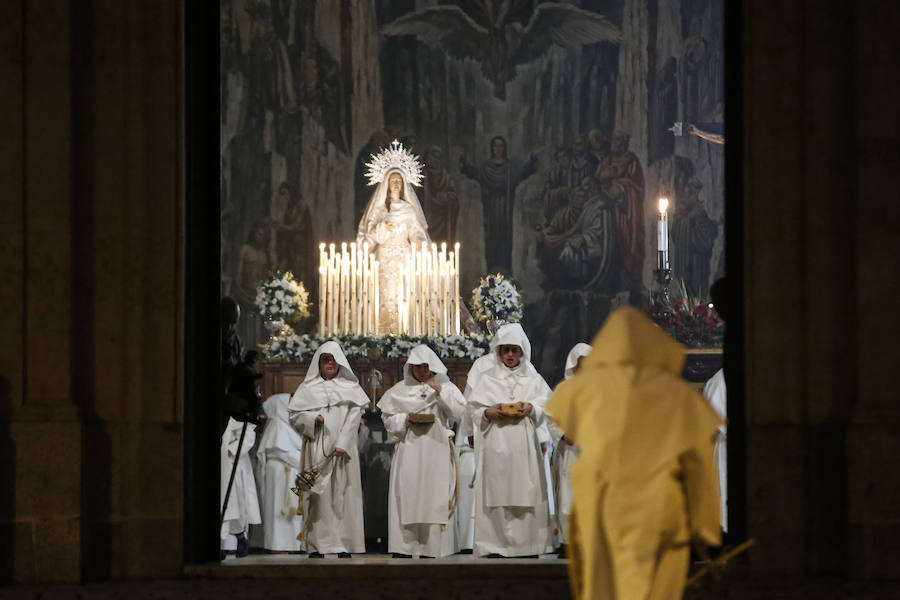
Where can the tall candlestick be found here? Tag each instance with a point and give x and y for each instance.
(375, 276)
(662, 241)
(321, 298)
(456, 287)
(353, 321)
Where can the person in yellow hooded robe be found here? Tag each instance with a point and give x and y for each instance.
(644, 483)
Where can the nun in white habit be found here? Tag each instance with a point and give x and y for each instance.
(565, 454)
(243, 504)
(326, 410)
(464, 518)
(423, 482)
(512, 510)
(278, 457)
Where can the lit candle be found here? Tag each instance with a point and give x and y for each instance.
(456, 287)
(662, 242)
(375, 277)
(345, 292)
(354, 324)
(321, 327)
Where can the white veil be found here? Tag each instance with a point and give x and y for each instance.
(378, 206)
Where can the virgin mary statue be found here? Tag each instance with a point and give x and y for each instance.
(392, 221)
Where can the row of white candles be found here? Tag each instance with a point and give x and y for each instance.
(348, 290)
(662, 232)
(429, 300)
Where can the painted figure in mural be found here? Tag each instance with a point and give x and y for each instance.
(664, 112)
(559, 185)
(693, 234)
(584, 163)
(253, 266)
(502, 35)
(295, 241)
(694, 61)
(442, 199)
(579, 246)
(499, 177)
(622, 179)
(392, 221)
(599, 143)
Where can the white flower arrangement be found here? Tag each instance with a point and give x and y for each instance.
(292, 347)
(282, 298)
(496, 299)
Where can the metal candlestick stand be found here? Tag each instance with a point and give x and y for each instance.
(663, 274)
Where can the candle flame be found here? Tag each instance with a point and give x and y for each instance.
(663, 205)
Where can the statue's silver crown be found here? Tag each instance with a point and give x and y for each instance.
(395, 158)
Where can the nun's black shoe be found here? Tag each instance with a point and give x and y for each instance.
(344, 555)
(243, 546)
(316, 555)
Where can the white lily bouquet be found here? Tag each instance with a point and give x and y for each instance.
(282, 298)
(496, 299)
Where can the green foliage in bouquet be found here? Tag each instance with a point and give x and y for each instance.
(690, 320)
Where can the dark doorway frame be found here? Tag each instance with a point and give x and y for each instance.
(202, 275)
(202, 272)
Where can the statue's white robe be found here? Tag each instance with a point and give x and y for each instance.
(243, 505)
(423, 471)
(334, 513)
(512, 510)
(278, 455)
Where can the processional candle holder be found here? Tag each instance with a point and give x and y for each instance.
(663, 273)
(663, 276)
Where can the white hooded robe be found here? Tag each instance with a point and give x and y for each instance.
(512, 509)
(333, 510)
(423, 477)
(243, 505)
(278, 456)
(715, 393)
(564, 456)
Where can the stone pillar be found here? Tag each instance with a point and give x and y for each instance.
(42, 436)
(90, 246)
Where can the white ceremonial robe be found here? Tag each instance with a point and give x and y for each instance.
(333, 512)
(512, 510)
(243, 504)
(563, 459)
(464, 517)
(278, 455)
(715, 393)
(565, 454)
(423, 477)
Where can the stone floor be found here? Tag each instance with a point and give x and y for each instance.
(380, 577)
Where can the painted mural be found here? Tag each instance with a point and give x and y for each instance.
(545, 129)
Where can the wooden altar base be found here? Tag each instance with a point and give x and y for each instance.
(282, 376)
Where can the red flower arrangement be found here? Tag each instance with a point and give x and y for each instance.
(689, 320)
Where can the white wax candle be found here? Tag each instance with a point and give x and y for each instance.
(377, 299)
(456, 287)
(354, 325)
(662, 228)
(321, 327)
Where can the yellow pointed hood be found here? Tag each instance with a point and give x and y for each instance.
(630, 338)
